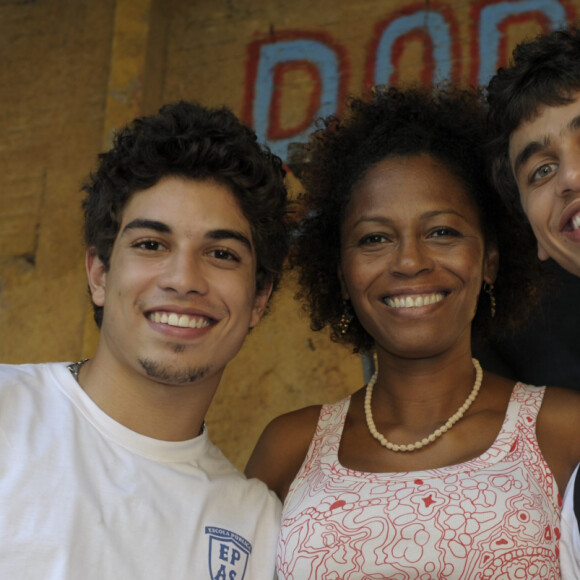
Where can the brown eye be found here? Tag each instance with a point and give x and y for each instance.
(373, 239)
(223, 254)
(150, 245)
(444, 231)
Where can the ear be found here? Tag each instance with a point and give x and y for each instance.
(542, 254)
(491, 263)
(343, 290)
(260, 303)
(96, 275)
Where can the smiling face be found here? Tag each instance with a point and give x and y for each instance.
(180, 294)
(545, 159)
(413, 257)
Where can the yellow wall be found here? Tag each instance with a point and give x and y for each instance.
(74, 70)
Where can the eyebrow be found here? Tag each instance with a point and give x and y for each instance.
(163, 228)
(143, 224)
(530, 149)
(534, 147)
(438, 212)
(230, 235)
(427, 215)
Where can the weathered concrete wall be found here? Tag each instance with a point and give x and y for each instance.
(74, 70)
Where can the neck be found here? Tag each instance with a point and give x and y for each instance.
(157, 410)
(423, 390)
(432, 437)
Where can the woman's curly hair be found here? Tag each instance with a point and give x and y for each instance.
(447, 123)
(194, 142)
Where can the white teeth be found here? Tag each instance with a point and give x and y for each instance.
(576, 222)
(182, 321)
(414, 302)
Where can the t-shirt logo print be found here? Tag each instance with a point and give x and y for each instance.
(228, 554)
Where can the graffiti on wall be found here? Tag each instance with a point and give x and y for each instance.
(325, 62)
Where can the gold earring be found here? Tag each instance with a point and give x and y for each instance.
(345, 318)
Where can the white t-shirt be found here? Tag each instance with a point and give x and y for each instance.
(83, 497)
(570, 540)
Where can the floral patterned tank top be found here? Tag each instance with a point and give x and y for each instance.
(493, 517)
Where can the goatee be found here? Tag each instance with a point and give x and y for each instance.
(172, 375)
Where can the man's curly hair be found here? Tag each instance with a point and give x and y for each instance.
(543, 72)
(194, 142)
(447, 123)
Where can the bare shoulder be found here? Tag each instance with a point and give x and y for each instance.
(557, 431)
(561, 410)
(282, 447)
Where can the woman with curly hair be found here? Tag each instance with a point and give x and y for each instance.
(435, 468)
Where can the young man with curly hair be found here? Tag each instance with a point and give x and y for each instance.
(106, 467)
(535, 157)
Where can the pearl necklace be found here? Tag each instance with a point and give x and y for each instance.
(438, 432)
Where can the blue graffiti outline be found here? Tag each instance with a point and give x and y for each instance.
(489, 35)
(327, 62)
(324, 59)
(438, 29)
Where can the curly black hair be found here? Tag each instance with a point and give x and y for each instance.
(195, 142)
(543, 72)
(447, 123)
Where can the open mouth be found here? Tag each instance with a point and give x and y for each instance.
(574, 223)
(572, 219)
(180, 320)
(414, 301)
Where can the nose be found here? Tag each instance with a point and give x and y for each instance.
(183, 273)
(411, 257)
(569, 173)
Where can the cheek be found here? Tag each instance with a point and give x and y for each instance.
(237, 293)
(127, 285)
(469, 267)
(538, 207)
(359, 272)
(476, 284)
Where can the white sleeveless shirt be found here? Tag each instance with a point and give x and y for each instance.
(493, 517)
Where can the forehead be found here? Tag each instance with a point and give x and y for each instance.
(187, 205)
(408, 181)
(550, 124)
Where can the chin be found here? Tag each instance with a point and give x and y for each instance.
(164, 372)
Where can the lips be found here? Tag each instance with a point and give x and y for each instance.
(570, 219)
(414, 300)
(180, 320)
